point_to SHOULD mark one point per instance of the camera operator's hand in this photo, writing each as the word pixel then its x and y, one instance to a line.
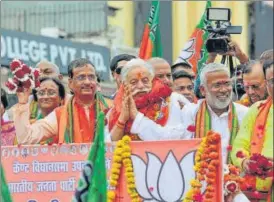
pixel 236 51
pixel 211 58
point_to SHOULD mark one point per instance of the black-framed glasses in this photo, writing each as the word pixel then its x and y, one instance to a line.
pixel 118 70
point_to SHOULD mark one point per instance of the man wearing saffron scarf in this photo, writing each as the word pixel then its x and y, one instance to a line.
pixel 144 108
pixel 73 122
pixel 256 136
pixel 216 112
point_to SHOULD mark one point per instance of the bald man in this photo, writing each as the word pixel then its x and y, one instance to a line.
pixel 48 69
pixel 254 83
pixel 162 70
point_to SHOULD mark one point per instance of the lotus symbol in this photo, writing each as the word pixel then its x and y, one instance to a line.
pixel 187 52
pixel 166 181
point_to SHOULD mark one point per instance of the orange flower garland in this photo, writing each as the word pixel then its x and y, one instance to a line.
pixel 206 162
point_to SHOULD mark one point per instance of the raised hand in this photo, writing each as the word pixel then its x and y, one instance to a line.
pixel 23 97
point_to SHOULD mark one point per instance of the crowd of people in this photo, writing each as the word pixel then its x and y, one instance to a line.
pixel 154 101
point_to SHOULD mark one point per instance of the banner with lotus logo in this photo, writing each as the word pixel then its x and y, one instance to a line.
pixel 163 171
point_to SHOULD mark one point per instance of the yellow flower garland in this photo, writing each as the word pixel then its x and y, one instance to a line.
pixel 122 154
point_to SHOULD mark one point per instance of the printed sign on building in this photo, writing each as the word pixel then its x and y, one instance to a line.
pixel 32 49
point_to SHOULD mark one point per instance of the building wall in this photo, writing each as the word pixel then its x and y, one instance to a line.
pixel 123 20
pixel 263 28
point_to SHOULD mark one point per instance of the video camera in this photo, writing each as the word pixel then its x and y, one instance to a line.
pixel 219 36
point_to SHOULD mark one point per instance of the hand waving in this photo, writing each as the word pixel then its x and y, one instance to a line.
pixel 23 97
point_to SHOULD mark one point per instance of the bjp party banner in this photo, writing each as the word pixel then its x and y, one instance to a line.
pixel 162 171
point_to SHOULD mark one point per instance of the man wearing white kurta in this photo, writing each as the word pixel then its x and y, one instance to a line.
pixel 154 99
pixel 216 86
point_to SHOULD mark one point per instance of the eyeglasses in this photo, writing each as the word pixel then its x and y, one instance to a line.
pixel 50 93
pixel 218 85
pixel 255 87
pixel 84 77
pixel 118 70
pixel 270 82
pixel 182 88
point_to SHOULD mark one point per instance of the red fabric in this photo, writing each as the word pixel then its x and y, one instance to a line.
pixel 148 104
pixel 86 127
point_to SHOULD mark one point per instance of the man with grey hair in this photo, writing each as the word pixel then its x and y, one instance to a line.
pixel 216 112
pixel 162 70
pixel 144 107
pixel 48 69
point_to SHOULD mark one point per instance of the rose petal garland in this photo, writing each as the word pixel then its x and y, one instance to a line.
pixel 23 76
pixel 122 155
pixel 206 162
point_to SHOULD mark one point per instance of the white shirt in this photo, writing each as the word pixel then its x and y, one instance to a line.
pixel 219 124
pixel 147 129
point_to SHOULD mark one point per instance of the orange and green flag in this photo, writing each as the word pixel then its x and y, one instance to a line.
pixel 151 41
pixel 194 51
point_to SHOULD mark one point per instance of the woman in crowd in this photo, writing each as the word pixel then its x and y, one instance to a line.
pixel 8 135
pixel 50 95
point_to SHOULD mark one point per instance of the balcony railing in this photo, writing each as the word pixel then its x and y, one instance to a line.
pixel 75 18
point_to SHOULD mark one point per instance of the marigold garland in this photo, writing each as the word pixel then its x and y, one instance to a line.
pixel 122 155
pixel 206 162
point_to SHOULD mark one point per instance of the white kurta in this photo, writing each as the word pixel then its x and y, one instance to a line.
pixel 219 124
pixel 147 129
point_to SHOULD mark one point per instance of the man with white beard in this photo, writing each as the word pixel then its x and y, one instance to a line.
pixel 216 112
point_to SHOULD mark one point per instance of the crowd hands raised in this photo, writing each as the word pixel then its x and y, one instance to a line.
pixel 153 101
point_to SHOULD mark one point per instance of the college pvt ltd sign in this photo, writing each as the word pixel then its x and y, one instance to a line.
pixel 32 49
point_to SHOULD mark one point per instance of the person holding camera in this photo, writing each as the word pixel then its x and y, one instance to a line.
pixel 234 50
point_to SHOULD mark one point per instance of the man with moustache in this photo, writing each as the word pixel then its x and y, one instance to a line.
pixel 216 112
pixel 73 122
pixel 144 106
pixel 254 84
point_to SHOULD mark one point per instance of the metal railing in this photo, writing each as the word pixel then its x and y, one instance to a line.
pixel 75 18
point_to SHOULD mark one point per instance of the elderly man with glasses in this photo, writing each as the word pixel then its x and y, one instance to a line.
pixel 256 137
pixel 73 122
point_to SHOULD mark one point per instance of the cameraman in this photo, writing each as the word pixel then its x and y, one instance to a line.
pixel 234 50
